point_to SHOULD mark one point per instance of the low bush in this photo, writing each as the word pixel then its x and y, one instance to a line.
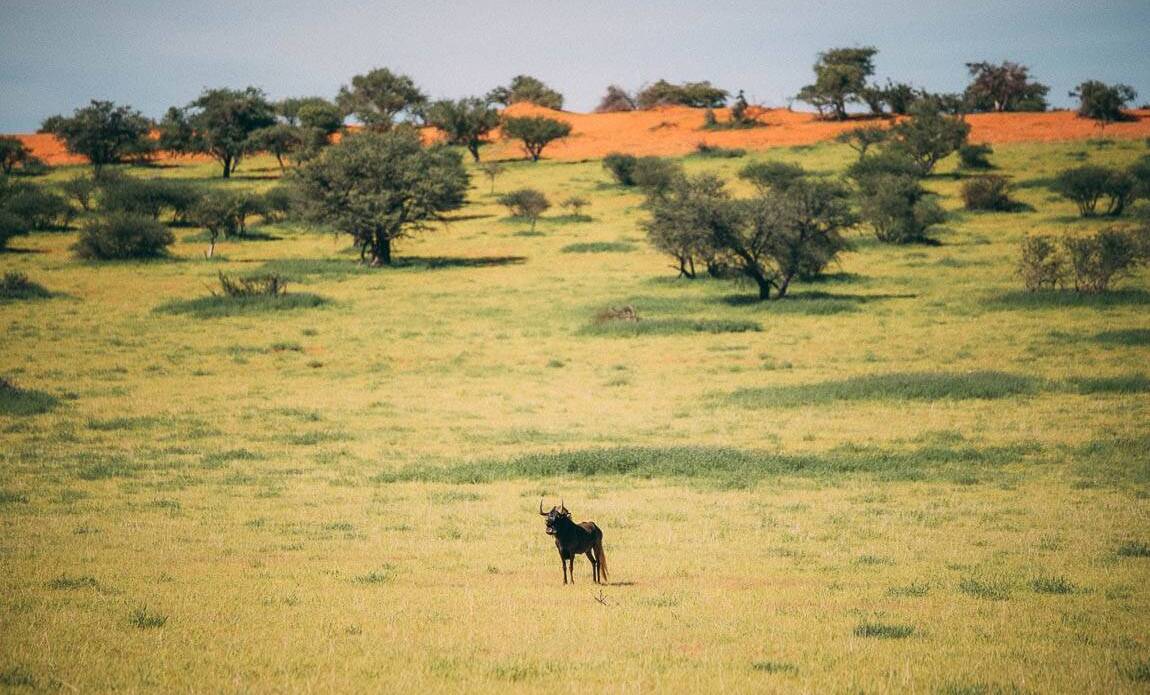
pixel 1043 263
pixel 123 236
pixel 16 285
pixel 1087 186
pixel 622 167
pixel 1095 261
pixel 716 152
pixel 38 208
pixel 989 193
pixel 898 209
pixel 655 174
pixel 270 285
pixel 11 225
pixel 525 203
pixel 81 190
pixel 148 197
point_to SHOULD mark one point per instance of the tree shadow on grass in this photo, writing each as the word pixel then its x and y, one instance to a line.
pixel 438 262
pixel 817 301
pixel 1057 299
pixel 466 218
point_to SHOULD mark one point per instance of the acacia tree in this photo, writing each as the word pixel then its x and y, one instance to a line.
pixel 102 132
pixel 616 99
pixel 862 139
pixel 379 187
pixel 536 132
pixel 280 140
pixel 840 77
pixel 694 94
pixel 13 153
pixel 780 235
pixel 1103 102
pixel 379 97
pixel 219 124
pixel 929 135
pixel 1005 87
pixel 465 122
pixel 529 89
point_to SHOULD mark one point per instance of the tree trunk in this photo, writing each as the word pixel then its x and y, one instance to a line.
pixel 227 167
pixel 783 286
pixel 381 251
pixel 473 148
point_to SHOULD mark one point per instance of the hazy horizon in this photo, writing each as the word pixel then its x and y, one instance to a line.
pixel 55 56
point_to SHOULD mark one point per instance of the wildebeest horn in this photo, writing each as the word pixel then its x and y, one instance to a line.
pixel 561 505
pixel 541 512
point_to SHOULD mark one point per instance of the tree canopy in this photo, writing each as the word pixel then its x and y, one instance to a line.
pixel 465 122
pixel 220 124
pixel 379 97
pixel 1005 87
pixel 840 78
pixel 102 132
pixel 379 187
pixel 536 132
pixel 529 89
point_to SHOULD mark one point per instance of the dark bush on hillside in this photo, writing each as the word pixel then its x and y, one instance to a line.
pixel 704 149
pixel 525 203
pixel 772 175
pixel 929 135
pixel 974 156
pixel 616 99
pixel 278 203
pixel 81 190
pixel 148 197
pixel 898 209
pixel 15 285
pixel 11 225
pixel 988 193
pixel 1042 264
pixel 694 94
pixel 622 167
pixel 655 174
pixel 123 236
pixel 886 162
pixel 1103 102
pixel 1088 185
pixel 38 208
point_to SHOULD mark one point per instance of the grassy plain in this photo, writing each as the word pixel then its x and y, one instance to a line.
pixel 908 476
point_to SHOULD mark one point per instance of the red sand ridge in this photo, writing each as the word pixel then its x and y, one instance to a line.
pixel 678 130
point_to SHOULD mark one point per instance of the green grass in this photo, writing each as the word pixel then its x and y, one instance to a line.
pixel 1053 585
pixel 1132 337
pixel 313 269
pixel 599 247
pixel 16 401
pixel 899 386
pixel 884 630
pixel 734 467
pixel 218 306
pixel 1124 384
pixel 643 327
pixel 1134 549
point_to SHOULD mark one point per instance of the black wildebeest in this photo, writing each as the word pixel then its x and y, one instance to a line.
pixel 576 539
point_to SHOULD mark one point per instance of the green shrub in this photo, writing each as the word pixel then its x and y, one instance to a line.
pixel 1088 185
pixel 278 203
pixel 82 190
pixel 270 285
pixel 15 285
pixel 990 193
pixel 123 236
pixel 148 197
pixel 655 174
pixel 1043 263
pixel 716 152
pixel 772 175
pixel 11 225
pixel 622 167
pixel 1095 261
pixel 525 203
pixel 974 156
pixel 898 209
pixel 38 208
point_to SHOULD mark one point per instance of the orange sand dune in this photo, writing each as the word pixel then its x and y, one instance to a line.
pixel 677 130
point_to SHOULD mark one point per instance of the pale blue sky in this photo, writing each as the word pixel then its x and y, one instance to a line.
pixel 56 55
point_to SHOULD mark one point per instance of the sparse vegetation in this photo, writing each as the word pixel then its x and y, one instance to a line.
pixel 535 132
pixel 119 237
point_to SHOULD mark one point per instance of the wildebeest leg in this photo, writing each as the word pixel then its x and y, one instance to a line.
pixel 563 561
pixel 572 561
pixel 594 567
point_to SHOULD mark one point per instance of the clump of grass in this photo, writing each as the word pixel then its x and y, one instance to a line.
pixel 267 285
pixel 634 329
pixel 10 497
pixel 873 560
pixel 145 619
pixel 1139 672
pixel 16 285
pixel 774 667
pixel 17 677
pixel 1126 383
pixel 1056 299
pixel 988 589
pixel 1052 585
pixel 384 575
pixel 1134 549
pixel 912 590
pixel 731 467
pixel 884 630
pixel 978 689
pixel 599 247
pixel 106 468
pixel 217 459
pixel 899 386
pixel 17 401
pixel 1133 337
pixel 66 583
pixel 217 306
pixel 709 151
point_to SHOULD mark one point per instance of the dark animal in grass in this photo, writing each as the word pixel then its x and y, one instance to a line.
pixel 573 539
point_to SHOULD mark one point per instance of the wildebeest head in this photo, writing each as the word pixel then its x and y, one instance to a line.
pixel 554 515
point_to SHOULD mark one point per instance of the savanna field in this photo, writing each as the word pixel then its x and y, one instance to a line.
pixel 911 475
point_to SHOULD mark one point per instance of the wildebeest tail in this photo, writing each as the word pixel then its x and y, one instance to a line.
pixel 602 558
